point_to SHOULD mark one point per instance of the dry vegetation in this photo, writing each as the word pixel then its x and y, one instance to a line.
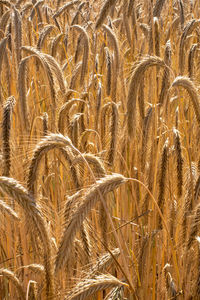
pixel 100 131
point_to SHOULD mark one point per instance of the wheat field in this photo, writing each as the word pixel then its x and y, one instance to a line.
pixel 99 169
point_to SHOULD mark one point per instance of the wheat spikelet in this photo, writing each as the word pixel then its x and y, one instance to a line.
pixel 9 211
pixel 162 179
pixel 65 7
pixel 88 287
pixel 133 88
pixel 11 277
pixel 179 166
pixel 113 133
pixel 187 84
pixel 145 136
pixel 109 72
pixel 6 125
pixel 104 12
pixel 98 104
pixel 106 184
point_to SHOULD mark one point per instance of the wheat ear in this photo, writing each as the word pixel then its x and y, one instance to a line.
pixel 55 43
pixel 64 114
pixel 182 16
pixel 190 87
pixel 191 60
pixel 179 164
pixel 94 161
pixel 162 179
pixel 104 12
pixel 170 284
pixel 17 26
pixel 8 210
pixel 43 35
pixel 49 142
pixel 36 9
pixel 6 125
pixel 12 277
pixel 87 287
pixel 109 72
pixel 113 133
pixel 190 26
pixel 84 67
pixel 65 7
pixel 103 262
pixel 116 66
pixel 104 185
pixel 135 80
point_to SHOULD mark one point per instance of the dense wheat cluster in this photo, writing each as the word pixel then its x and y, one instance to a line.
pixel 100 137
